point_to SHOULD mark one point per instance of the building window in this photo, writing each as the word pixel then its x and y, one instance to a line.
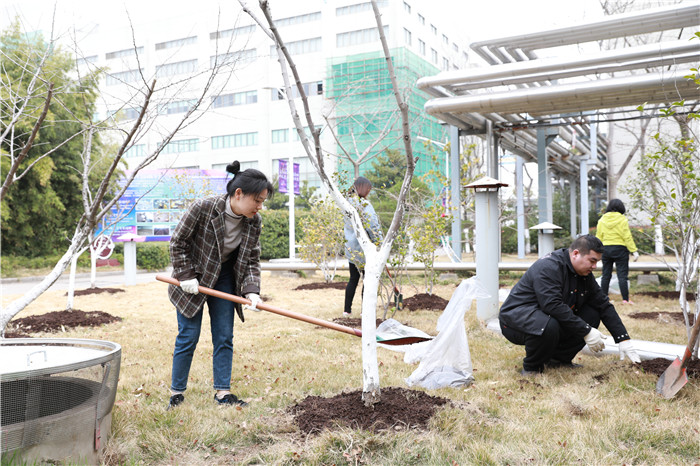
pixel 137 150
pixel 434 56
pixel 242 56
pixel 361 36
pixel 421 47
pixel 421 19
pixel 445 40
pixel 85 60
pixel 433 29
pixel 239 98
pixel 407 37
pixel 235 32
pixel 455 48
pixel 183 145
pixel 177 43
pixel 300 47
pixel 358 8
pixel 124 53
pixel 310 89
pixel 129 76
pixel 445 64
pixel 180 67
pixel 407 7
pixel 280 135
pixel 130 114
pixel 234 140
pixel 180 106
pixel 309 17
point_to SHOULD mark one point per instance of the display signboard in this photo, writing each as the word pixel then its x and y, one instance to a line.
pixel 282 177
pixel 154 203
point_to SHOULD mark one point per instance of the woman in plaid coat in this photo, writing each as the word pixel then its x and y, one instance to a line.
pixel 216 245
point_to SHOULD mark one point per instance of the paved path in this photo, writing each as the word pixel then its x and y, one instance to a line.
pixel 112 279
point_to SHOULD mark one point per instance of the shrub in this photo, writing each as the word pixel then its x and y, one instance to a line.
pixel 152 256
pixel 274 239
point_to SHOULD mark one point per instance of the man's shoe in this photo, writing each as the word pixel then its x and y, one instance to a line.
pixel 527 373
pixel 346 314
pixel 175 400
pixel 553 363
pixel 230 399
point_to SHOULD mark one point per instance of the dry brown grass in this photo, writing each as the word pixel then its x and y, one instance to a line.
pixel 604 413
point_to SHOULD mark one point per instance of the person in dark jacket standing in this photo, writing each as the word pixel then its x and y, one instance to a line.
pixel 216 245
pixel 557 306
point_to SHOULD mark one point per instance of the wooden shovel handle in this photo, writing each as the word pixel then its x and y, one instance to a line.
pixel 396 289
pixel 267 307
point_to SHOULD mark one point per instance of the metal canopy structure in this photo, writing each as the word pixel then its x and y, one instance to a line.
pixel 520 90
pixel 546 110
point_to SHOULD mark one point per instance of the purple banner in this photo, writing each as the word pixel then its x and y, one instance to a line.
pixel 282 177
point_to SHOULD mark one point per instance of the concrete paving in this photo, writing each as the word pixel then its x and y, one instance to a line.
pixel 111 279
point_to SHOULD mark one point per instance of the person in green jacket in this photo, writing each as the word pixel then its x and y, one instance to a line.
pixel 614 231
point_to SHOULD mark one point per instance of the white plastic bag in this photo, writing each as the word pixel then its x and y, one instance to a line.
pixel 445 361
pixel 614 286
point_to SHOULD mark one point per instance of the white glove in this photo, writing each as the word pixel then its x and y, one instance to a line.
pixel 635 256
pixel 254 300
pixel 594 340
pixel 190 286
pixel 627 349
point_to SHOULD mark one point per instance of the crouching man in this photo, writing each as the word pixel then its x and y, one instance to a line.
pixel 557 306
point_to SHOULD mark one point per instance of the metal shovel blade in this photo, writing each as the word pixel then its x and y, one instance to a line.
pixel 672 380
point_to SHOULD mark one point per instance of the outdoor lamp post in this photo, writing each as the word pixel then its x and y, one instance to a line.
pixel 488 243
pixel 545 237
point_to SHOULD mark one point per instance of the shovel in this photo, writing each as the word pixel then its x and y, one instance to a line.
pixel 406 340
pixel 675 376
pixel 397 297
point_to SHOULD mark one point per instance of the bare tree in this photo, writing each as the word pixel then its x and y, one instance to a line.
pixel 100 197
pixel 375 257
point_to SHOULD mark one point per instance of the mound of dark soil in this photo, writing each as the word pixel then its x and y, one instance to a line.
pixel 322 285
pixel 425 301
pixel 57 321
pixel 657 366
pixel 96 290
pixel 399 408
pixel 663 316
pixel 352 322
pixel 664 294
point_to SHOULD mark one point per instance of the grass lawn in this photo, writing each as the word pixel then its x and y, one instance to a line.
pixel 604 413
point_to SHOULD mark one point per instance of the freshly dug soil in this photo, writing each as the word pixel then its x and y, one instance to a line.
pixel 322 285
pixel 96 290
pixel 657 366
pixel 398 409
pixel 425 301
pixel 352 322
pixel 664 294
pixel 663 316
pixel 57 321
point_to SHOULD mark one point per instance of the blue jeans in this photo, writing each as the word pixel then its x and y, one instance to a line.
pixel 221 314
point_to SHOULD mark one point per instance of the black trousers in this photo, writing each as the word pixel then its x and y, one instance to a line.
pixel 620 256
pixel 555 343
pixel 352 286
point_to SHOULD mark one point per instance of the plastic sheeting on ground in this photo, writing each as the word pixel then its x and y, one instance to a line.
pixel 444 361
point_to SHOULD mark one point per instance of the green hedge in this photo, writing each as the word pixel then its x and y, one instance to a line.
pixel 152 256
pixel 274 240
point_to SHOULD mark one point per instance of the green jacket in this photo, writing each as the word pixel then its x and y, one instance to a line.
pixel 613 230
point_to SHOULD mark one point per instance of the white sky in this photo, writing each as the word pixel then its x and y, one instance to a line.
pixel 475 19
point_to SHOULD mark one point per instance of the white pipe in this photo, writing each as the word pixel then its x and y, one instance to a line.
pixel 582 64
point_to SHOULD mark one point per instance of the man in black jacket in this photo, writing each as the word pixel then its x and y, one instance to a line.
pixel 556 307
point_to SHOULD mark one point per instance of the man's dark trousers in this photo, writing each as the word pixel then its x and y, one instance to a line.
pixel 555 343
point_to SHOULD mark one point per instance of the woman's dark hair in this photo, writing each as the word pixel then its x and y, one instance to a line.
pixel 615 205
pixel 362 186
pixel 250 181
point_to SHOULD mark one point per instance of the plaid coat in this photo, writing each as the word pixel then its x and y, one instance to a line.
pixel 195 251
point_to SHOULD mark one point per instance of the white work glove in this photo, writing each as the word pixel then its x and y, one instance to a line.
pixel 594 340
pixel 627 349
pixel 635 256
pixel 254 300
pixel 190 286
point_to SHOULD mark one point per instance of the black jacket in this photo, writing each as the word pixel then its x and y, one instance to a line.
pixel 551 288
